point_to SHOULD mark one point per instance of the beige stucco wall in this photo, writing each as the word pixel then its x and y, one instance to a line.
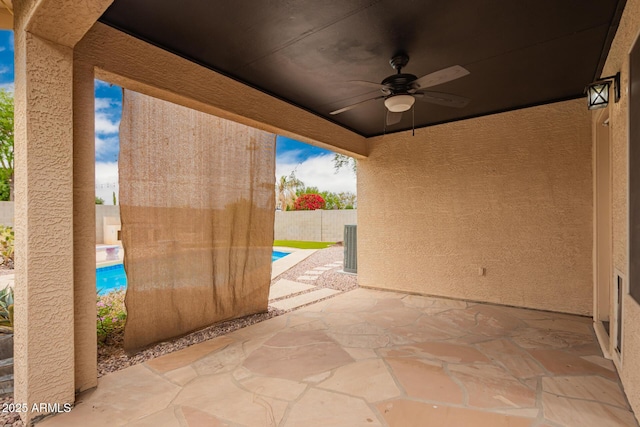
pixel 510 193
pixel 618 60
pixel 43 148
pixel 54 356
pixel 112 215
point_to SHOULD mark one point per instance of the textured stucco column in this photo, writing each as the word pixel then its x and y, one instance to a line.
pixel 44 313
pixel 47 314
pixel 84 226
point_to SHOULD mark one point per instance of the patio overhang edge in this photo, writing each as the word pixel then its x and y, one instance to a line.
pixel 142 67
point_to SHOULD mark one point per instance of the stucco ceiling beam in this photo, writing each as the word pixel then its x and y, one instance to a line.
pixel 139 66
pixel 63 22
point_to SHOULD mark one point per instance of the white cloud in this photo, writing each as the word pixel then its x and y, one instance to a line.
pixel 105 125
pixel 107 146
pixel 290 156
pixel 9 87
pixel 107 116
pixel 107 181
pixel 103 103
pixel 318 172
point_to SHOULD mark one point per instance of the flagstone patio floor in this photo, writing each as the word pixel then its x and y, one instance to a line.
pixel 372 358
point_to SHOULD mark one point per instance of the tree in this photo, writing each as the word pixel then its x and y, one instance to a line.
pixel 332 200
pixel 99 201
pixel 286 188
pixel 348 200
pixel 343 200
pixel 309 202
pixel 114 199
pixel 6 139
pixel 4 190
pixel 307 190
pixel 341 161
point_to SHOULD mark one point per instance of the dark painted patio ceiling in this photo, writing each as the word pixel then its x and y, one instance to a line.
pixel 520 53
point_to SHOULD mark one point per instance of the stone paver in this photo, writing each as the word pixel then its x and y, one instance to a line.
pixel 184 357
pixel 369 379
pixel 309 278
pixel 587 388
pixel 426 380
pixel 284 287
pixel 405 413
pixel 313 272
pixel 574 412
pixel 372 358
pixel 323 408
pixel 490 386
pixel 300 300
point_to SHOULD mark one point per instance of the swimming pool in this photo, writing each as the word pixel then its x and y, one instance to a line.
pixel 113 277
pixel 275 255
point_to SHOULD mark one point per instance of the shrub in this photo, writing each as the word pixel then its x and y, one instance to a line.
pixel 6 245
pixel 111 315
pixel 6 309
pixel 309 202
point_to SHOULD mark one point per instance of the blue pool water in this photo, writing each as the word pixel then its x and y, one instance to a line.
pixel 110 278
pixel 277 255
pixel 113 277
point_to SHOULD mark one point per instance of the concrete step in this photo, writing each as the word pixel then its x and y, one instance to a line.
pixel 304 299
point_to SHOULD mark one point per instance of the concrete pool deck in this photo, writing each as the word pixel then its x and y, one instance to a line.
pixel 295 256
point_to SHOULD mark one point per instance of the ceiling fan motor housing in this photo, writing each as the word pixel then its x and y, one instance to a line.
pixel 398 83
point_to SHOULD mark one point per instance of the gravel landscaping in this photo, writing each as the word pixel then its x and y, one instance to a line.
pixel 333 279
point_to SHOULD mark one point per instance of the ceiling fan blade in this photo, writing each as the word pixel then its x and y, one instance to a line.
pixel 352 106
pixel 445 75
pixel 446 99
pixel 393 118
pixel 370 84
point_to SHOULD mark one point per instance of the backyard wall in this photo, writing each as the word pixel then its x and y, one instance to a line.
pixel 618 60
pixel 6 214
pixel 112 213
pixel 313 226
pixel 495 209
pixel 102 211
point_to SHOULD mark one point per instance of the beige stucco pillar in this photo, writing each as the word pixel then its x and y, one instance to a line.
pixel 84 226
pixel 55 341
pixel 44 297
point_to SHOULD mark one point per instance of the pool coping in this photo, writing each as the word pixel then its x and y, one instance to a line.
pixel 295 256
pixel 278 267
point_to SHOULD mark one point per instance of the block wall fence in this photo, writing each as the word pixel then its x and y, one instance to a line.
pixel 314 226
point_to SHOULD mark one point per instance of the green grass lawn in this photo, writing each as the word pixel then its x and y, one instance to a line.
pixel 302 245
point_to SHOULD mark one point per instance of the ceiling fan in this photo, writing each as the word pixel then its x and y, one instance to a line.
pixel 400 90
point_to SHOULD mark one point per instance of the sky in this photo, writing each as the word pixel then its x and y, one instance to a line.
pixel 312 165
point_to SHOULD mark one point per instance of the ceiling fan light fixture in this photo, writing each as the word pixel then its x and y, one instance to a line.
pixel 399 103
